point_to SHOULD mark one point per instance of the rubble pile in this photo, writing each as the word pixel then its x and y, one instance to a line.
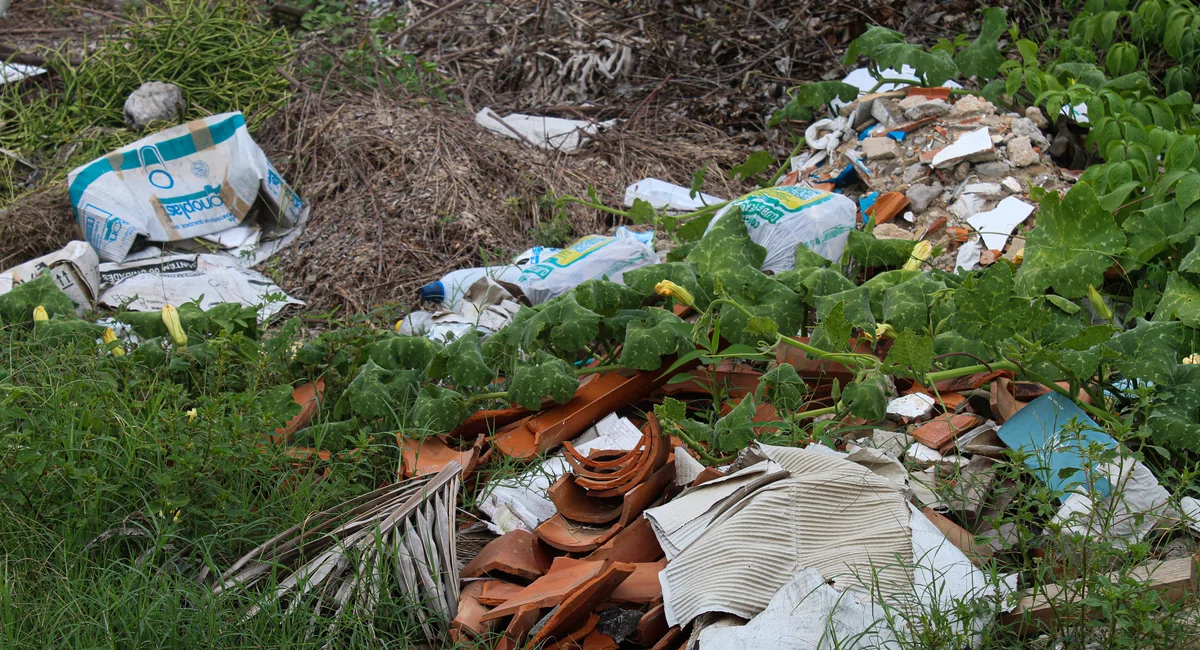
pixel 927 165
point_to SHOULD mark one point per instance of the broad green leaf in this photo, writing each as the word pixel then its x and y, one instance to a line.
pixel 869 43
pixel 822 282
pixel 911 355
pixel 1180 299
pixel 982 58
pixel 1145 300
pixel 1149 231
pixel 857 307
pixel 544 376
pixel 149 354
pixel 783 387
pixel 1187 190
pixel 1148 351
pixel 462 360
pixel 1062 303
pixel 736 430
pixel 763 297
pixel 17 305
pixel 62 331
pixel 987 306
pixel 378 392
pixel 682 273
pixel 907 305
pixel 641 211
pixel 438 409
pixel 807 96
pixel 1173 419
pixel 805 258
pixel 951 342
pixel 606 298
pixel 872 251
pixel 1191 262
pixel 651 338
pixel 1180 154
pixel 882 282
pixel 833 334
pixel 1121 59
pixel 757 163
pixel 561 322
pixel 395 352
pixel 727 246
pixel 1074 242
pixel 867 399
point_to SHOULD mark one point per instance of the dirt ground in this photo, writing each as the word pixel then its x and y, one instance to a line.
pixel 405 188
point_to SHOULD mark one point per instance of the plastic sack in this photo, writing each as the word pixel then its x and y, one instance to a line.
pixel 188 181
pixel 595 256
pixel 779 218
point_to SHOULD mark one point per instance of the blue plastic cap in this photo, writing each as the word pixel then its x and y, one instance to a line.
pixel 433 292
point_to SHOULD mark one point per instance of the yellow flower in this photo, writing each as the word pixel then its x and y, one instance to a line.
pixel 170 317
pixel 191 415
pixel 1192 359
pixel 1019 257
pixel 398 324
pixel 39 314
pixel 920 253
pixel 109 337
pixel 884 330
pixel 671 290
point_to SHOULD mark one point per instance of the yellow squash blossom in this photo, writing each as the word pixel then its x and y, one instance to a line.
pixel 170 317
pixel 672 290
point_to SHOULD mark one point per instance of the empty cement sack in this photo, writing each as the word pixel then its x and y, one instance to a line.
pixel 188 181
pixel 594 256
pixel 780 218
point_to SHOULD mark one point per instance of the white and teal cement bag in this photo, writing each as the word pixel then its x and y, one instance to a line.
pixel 188 181
pixel 779 218
pixel 595 256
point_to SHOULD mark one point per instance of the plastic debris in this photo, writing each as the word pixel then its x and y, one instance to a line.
pixel 553 133
pixel 780 218
pixel 663 195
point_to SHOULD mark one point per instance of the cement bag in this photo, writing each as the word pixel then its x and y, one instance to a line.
pixel 595 256
pixel 191 180
pixel 779 218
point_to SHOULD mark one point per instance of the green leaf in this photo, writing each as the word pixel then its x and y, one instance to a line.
pixel 395 352
pixel 276 404
pixel 561 322
pixel 869 43
pixel 783 387
pixel 806 259
pixel 62 331
pixel 651 338
pixel 907 305
pixel 1145 300
pixel 378 392
pixel 763 297
pixel 807 96
pixel 1149 351
pixel 17 305
pixel 934 68
pixel 1074 242
pixel 1149 231
pixel 438 409
pixel 670 411
pixel 982 58
pixel 462 360
pixel 698 181
pixel 1180 154
pixel 867 399
pixel 757 163
pixel 644 279
pixel 607 298
pixel 949 342
pixel 1191 262
pixel 736 430
pixel 642 211
pixel 149 354
pixel 546 376
pixel 820 282
pixel 727 246
pixel 987 306
pixel 694 229
pixel 1180 299
pixel 911 355
pixel 833 334
pixel 858 307
pixel 872 251
pixel 1187 191
pixel 1121 59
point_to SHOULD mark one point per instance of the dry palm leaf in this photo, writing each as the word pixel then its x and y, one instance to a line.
pixel 397 539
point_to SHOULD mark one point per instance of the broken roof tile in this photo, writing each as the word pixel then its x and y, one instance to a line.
pixel 468 622
pixel 642 586
pixel 576 609
pixel 518 553
pixel 564 576
pixel 941 432
pixel 498 592
pixel 308 396
pixel 635 543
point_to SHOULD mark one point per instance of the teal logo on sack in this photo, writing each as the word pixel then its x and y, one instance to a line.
pixel 189 204
pixel 566 257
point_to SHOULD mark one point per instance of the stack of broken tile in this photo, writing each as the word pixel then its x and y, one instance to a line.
pixel 954 172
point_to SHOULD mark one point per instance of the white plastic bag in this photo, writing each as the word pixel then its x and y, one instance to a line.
pixel 594 256
pixel 188 181
pixel 779 218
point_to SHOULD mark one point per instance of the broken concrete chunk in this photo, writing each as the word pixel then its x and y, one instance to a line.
pixel 914 173
pixel 887 112
pixel 892 231
pixel 1034 114
pixel 970 106
pixel 994 170
pixel 1012 185
pixel 920 197
pixel 892 443
pixel 1021 153
pixel 990 191
pixel 1026 127
pixel 929 108
pixel 154 101
pixel 880 148
pixel 916 406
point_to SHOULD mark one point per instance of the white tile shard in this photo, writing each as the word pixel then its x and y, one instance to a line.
pixel 968 144
pixel 912 407
pixel 996 225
